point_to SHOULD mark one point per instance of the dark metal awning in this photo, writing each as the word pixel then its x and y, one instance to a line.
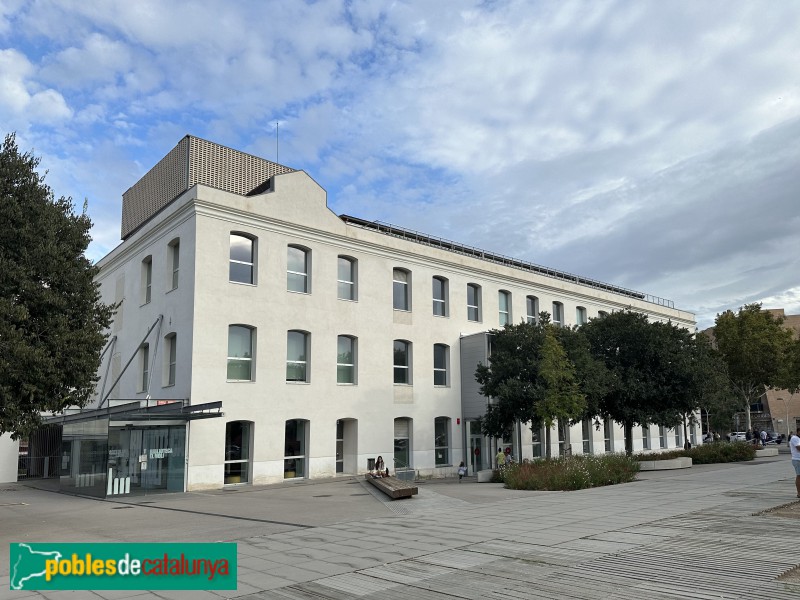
pixel 133 411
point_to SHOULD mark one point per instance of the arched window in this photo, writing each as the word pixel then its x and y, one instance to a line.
pixel 242 260
pixel 558 313
pixel 504 307
pixel 401 289
pixel 174 262
pixel 346 359
pixel 241 344
pixel 402 362
pixel 238 436
pixel 441 433
pixel 473 302
pixel 147 279
pixel 532 308
pixel 297 354
pixel 440 297
pixel 441 358
pixel 347 278
pixel 298 265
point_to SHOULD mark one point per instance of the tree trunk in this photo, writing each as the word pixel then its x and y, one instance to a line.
pixel 548 453
pixel 628 437
pixel 686 443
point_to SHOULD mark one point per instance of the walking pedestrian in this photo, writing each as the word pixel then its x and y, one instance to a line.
pixel 794 445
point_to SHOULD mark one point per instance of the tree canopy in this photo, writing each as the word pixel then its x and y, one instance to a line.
pixel 757 350
pixel 530 379
pixel 52 322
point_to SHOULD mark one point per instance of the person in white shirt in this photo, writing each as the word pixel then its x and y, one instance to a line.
pixel 794 445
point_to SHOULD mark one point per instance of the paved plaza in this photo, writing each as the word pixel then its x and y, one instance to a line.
pixel 701 533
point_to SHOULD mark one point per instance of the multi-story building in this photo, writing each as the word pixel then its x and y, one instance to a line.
pixel 260 337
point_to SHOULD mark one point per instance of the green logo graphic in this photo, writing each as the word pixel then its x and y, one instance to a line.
pixel 117 566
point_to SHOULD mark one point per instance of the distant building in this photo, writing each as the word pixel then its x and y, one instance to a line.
pixel 781 407
pixel 262 338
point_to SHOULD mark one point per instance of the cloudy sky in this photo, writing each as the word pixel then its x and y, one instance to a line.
pixel 650 144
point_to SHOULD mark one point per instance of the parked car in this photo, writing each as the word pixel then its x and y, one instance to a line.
pixel 774 438
pixel 737 436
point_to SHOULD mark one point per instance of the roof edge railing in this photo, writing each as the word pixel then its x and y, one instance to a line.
pixel 450 246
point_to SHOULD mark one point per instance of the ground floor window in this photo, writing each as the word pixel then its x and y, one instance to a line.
pixel 402 443
pixel 608 435
pixel 662 436
pixel 294 460
pixel 237 451
pixel 442 441
pixel 586 428
pixel 645 437
pixel 537 438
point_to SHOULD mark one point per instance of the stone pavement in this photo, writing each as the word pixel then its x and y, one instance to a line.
pixel 694 533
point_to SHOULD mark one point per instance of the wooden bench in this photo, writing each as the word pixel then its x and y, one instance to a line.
pixel 393 487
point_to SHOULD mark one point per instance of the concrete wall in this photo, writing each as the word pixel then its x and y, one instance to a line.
pixel 9 453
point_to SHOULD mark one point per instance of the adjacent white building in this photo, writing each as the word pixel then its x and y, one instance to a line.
pixel 296 343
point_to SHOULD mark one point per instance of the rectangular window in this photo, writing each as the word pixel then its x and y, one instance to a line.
pixel 174 262
pixel 586 428
pixel 504 304
pixel 608 435
pixel 473 302
pixel 346 359
pixel 440 296
pixel 662 436
pixel 346 281
pixel 692 434
pixel 241 259
pixel 147 279
pixel 402 362
pixel 440 360
pixel 171 356
pixel 532 305
pixel 145 367
pixel 645 438
pixel 563 436
pixel 441 432
pixel 297 270
pixel 678 436
pixel 580 315
pixel 558 313
pixel 400 290
pixel 240 353
pixel 297 356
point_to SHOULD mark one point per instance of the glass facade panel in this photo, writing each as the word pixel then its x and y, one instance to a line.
pixel 85 458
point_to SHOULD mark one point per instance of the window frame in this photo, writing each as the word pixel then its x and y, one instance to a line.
pixel 532 309
pixel 240 359
pixel 580 315
pixel 305 359
pixel 170 359
pixel 407 349
pixel 437 447
pixel 353 357
pixel 174 263
pixel 406 289
pixel 352 282
pixel 441 303
pixel 305 275
pixel 441 369
pixel 558 313
pixel 147 279
pixel 504 294
pixel 251 264
pixel 144 371
pixel 477 306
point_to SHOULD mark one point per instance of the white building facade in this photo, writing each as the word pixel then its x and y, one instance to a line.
pixel 327 340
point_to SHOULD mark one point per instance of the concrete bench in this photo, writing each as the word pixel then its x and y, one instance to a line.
pixel 393 487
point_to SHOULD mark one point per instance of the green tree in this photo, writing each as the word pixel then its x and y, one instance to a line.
pixel 529 378
pixel 52 322
pixel 756 348
pixel 711 386
pixel 650 370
